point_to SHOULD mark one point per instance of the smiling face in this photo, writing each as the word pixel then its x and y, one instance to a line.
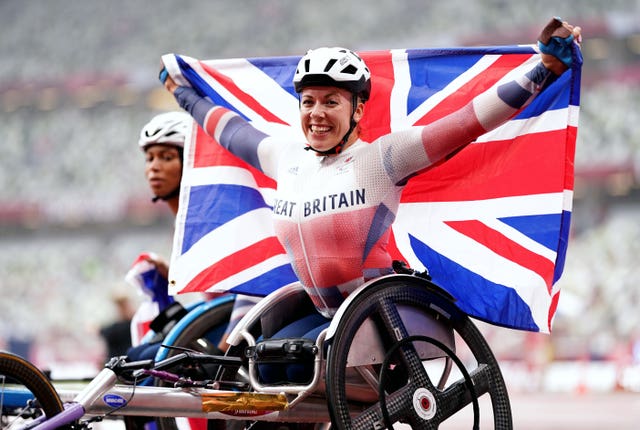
pixel 325 115
pixel 163 168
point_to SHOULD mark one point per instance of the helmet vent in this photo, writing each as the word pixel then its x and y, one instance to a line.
pixel 330 64
pixel 167 128
pixel 350 70
pixel 306 65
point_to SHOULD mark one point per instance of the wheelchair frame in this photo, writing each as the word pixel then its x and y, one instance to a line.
pixel 372 321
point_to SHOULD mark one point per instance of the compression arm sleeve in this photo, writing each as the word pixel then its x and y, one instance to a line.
pixel 224 125
pixel 485 112
pixel 496 106
pixel 412 151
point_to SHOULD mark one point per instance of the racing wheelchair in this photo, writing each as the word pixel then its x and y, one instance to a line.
pixel 398 351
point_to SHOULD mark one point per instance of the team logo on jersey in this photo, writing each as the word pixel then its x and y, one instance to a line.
pixel 346 166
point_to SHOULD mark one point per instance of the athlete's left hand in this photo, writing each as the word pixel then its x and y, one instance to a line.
pixel 555 42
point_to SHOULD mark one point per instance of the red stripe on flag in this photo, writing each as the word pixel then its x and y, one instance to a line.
pixel 245 98
pixel 505 247
pixel 572 133
pixel 208 153
pixel 485 80
pixel 530 164
pixel 377 113
pixel 234 263
pixel 552 309
pixel 212 120
pixel 392 248
pixel 197 423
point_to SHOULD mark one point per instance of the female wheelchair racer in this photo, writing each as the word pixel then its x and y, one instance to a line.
pixel 337 196
pixel 378 349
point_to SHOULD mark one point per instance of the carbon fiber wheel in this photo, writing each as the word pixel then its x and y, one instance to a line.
pixel 404 353
pixel 25 392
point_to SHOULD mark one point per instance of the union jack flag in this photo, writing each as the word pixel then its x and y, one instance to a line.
pixel 491 224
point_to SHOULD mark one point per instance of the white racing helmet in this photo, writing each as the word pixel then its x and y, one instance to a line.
pixel 168 128
pixel 335 67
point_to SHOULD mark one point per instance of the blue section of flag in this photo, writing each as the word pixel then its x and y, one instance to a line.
pixel 226 201
pixel 280 69
pixel 475 295
pixel 555 97
pixel 541 228
pixel 200 85
pixel 267 282
pixel 431 71
pixel 563 243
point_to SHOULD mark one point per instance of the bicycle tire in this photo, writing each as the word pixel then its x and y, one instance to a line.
pixel 22 373
pixel 380 303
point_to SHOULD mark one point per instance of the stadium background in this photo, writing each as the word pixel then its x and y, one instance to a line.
pixel 78 80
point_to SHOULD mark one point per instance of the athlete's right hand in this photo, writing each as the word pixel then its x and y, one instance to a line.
pixel 161 265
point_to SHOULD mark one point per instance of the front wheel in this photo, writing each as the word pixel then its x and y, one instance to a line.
pixel 26 394
pixel 415 343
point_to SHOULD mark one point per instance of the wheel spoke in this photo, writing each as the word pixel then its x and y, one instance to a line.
pixel 397 331
pixel 397 404
pixel 458 395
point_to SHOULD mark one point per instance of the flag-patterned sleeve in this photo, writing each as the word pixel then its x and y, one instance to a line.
pixel 230 130
pixel 442 138
pixel 498 104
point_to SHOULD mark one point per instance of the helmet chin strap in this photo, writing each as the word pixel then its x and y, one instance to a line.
pixel 338 148
pixel 172 194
